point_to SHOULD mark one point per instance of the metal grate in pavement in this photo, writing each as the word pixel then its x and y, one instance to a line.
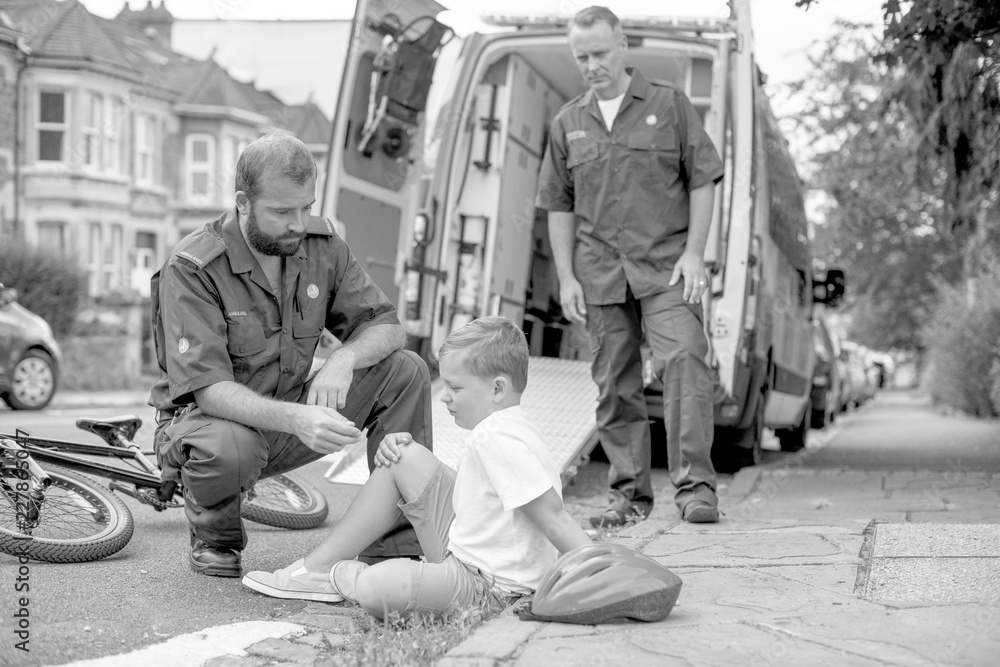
pixel 930 562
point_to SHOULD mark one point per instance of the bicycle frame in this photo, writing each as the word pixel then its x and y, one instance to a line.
pixel 63 453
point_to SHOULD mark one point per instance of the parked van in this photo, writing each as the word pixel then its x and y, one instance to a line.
pixel 445 222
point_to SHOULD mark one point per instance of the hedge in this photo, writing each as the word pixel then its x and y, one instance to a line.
pixel 963 342
pixel 47 284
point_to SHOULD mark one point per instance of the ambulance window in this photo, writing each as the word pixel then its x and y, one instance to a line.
pixel 701 78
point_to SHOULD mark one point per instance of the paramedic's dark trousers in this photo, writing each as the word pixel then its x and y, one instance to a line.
pixel 673 330
pixel 218 460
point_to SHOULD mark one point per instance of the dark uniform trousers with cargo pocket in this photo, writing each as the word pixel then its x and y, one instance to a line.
pixel 673 330
pixel 218 461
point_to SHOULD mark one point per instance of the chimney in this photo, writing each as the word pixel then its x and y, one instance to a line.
pixel 156 22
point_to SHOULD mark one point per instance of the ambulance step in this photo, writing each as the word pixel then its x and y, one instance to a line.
pixel 560 399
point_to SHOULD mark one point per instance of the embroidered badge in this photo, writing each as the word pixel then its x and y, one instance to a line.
pixel 651 119
pixel 183 345
pixel 576 134
pixel 312 291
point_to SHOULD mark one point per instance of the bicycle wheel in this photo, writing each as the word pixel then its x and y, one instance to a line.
pixel 285 501
pixel 80 521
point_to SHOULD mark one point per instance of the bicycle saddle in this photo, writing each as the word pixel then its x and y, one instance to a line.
pixel 127 425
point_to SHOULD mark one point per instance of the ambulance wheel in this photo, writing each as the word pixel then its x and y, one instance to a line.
pixel 794 439
pixel 737 448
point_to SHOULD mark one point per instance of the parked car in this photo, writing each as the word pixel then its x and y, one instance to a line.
pixel 882 367
pixel 826 381
pixel 30 357
pixel 862 387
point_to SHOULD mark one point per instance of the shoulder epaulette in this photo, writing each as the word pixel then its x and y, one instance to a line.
pixel 320 226
pixel 200 249
pixel 663 83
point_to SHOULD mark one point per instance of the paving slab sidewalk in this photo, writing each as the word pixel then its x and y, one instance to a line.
pixel 823 567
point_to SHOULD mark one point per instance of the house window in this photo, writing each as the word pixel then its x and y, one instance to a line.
pixel 144 262
pixel 94 249
pixel 145 142
pixel 113 113
pixel 51 126
pixel 92 115
pixel 52 237
pixel 229 154
pixel 200 158
pixel 113 265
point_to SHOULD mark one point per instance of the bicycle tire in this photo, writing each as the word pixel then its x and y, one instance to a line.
pixel 285 501
pixel 81 522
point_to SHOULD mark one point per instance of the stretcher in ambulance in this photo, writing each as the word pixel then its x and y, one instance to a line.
pixel 443 217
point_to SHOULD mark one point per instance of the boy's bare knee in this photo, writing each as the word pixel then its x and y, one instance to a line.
pixel 413 456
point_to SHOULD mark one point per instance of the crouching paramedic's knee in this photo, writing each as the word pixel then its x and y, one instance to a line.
pixel 218 459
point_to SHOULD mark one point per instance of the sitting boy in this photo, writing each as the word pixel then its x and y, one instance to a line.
pixel 489 531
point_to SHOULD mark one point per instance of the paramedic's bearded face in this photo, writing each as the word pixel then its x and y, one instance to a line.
pixel 599 52
pixel 274 222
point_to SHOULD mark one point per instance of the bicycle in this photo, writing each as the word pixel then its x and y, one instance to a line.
pixel 55 514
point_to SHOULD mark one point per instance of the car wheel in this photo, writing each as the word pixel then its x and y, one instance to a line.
pixel 33 382
pixel 794 439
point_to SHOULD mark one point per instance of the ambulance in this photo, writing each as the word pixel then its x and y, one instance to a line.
pixel 433 166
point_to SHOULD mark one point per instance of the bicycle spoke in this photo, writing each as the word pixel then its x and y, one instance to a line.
pixel 277 495
pixel 66 514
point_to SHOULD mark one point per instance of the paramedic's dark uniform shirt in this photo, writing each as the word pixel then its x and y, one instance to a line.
pixel 216 318
pixel 628 187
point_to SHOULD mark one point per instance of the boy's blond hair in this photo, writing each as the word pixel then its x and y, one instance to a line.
pixel 491 346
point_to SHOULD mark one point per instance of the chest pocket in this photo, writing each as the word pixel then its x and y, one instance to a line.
pixel 658 147
pixel 309 321
pixel 245 340
pixel 582 151
pixel 309 324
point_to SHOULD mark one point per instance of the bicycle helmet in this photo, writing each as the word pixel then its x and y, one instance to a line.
pixel 600 582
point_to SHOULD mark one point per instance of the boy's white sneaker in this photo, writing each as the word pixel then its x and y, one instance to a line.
pixel 344 575
pixel 294 582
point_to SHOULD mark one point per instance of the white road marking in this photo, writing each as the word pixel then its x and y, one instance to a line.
pixel 196 648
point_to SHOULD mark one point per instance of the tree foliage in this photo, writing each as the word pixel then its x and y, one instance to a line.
pixel 949 51
pixel 882 225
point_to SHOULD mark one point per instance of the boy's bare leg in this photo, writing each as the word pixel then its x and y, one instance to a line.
pixel 374 510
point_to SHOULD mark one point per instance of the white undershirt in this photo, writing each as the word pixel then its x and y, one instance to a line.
pixel 609 109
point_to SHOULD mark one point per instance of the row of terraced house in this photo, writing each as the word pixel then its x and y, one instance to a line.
pixel 112 145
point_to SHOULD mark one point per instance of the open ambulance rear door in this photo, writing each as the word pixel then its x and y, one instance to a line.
pixel 373 167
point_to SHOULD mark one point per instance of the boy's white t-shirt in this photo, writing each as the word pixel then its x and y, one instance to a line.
pixel 609 109
pixel 505 467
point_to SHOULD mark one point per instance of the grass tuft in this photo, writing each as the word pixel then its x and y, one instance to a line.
pixel 418 640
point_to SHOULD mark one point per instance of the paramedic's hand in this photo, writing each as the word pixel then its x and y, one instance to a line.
pixel 329 387
pixel 574 308
pixel 323 429
pixel 692 268
pixel 388 450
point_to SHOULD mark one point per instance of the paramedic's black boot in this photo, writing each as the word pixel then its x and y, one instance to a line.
pixel 214 561
pixel 698 511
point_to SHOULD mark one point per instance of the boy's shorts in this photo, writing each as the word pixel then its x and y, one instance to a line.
pixel 444 583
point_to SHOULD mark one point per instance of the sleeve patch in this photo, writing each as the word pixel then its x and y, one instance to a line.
pixel 191 258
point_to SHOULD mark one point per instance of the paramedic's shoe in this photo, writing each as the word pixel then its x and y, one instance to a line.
pixel 698 511
pixel 294 582
pixel 344 575
pixel 613 517
pixel 214 561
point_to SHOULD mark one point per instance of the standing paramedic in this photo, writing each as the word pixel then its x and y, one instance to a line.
pixel 238 310
pixel 629 182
